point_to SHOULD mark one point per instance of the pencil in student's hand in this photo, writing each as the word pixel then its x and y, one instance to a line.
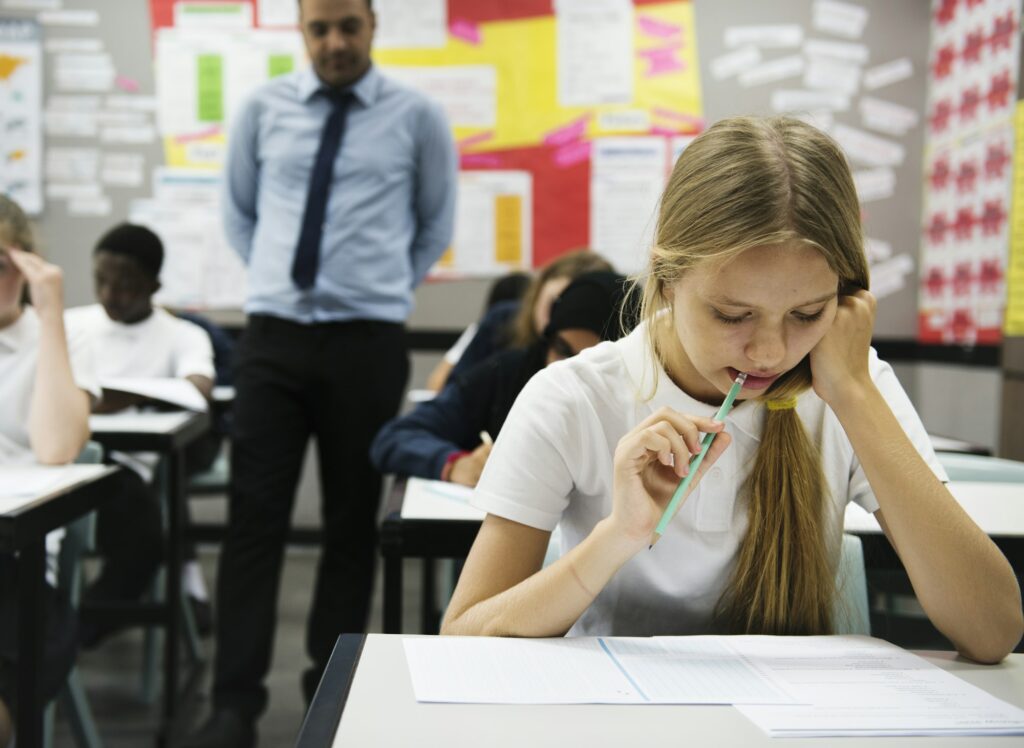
pixel 486 438
pixel 680 491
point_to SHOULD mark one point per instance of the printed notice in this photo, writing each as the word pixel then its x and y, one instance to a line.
pixel 21 90
pixel 767 37
pixel 865 148
pixel 627 176
pixel 772 70
pixel 733 63
pixel 841 19
pixel 468 93
pixel 411 24
pixel 493 224
pixel 888 73
pixel 595 52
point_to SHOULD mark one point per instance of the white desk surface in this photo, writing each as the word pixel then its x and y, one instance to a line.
pixel 21 485
pixel 381 710
pixel 143 423
pixel 997 508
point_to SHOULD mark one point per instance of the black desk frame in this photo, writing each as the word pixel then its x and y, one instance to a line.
pixel 417 538
pixel 24 531
pixel 171 445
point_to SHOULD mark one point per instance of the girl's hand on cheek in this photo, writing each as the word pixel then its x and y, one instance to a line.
pixel 839 362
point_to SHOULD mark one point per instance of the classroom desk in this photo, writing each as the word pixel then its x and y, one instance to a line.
pixel 366 698
pixel 168 434
pixel 24 523
pixel 998 508
pixel 425 538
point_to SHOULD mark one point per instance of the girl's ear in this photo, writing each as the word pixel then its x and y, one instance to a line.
pixel 666 291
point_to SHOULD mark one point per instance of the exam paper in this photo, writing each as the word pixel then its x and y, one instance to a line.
pixel 434 499
pixel 862 686
pixel 585 670
pixel 23 484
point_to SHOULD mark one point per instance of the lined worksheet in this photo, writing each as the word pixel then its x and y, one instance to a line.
pixel 788 686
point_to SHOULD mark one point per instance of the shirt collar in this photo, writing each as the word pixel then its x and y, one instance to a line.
pixel 22 332
pixel 643 369
pixel 366 90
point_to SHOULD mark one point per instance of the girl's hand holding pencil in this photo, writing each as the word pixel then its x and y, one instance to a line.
pixel 650 462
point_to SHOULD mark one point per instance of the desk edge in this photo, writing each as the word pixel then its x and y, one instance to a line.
pixel 321 722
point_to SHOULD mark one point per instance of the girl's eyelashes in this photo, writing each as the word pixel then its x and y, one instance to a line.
pixel 729 320
pixel 810 317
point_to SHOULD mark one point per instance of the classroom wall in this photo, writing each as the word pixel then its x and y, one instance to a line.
pixel 453 304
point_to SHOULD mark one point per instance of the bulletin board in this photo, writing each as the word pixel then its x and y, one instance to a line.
pixel 562 175
pixel 567 114
pixel 857 70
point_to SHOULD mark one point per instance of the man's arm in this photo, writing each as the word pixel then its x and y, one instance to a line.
pixel 241 181
pixel 436 184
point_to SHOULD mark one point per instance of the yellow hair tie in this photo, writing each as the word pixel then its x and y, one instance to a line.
pixel 787 404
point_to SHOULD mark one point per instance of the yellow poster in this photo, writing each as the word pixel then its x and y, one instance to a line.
pixel 1013 324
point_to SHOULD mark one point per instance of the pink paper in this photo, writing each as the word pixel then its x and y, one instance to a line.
pixel 569 133
pixel 467 31
pixel 126 84
pixel 661 29
pixel 691 121
pixel 573 153
pixel 198 135
pixel 479 159
pixel 472 140
pixel 661 61
pixel 659 130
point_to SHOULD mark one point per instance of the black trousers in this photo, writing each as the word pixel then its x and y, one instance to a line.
pixel 129 539
pixel 338 382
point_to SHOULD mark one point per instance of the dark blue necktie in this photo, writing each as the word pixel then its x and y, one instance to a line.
pixel 307 252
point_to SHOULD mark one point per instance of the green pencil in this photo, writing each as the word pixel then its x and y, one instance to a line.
pixel 680 491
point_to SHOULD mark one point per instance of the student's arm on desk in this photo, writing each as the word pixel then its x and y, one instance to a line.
pixel 203 384
pixel 965 585
pixel 58 424
pixel 420 442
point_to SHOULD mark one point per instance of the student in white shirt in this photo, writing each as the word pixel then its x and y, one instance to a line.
pixel 134 339
pixel 46 383
pixel 757 266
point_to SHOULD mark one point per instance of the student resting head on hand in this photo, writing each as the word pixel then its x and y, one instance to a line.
pixel 47 384
pixel 757 266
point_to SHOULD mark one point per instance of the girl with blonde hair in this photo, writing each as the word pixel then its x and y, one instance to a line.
pixel 758 267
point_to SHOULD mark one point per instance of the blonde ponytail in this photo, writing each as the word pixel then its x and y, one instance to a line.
pixel 784 580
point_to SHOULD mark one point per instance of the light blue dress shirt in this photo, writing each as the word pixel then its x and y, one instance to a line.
pixel 390 213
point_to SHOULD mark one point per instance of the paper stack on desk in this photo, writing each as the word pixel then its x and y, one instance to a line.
pixel 788 686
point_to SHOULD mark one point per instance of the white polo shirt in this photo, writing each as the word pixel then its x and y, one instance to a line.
pixel 161 345
pixel 19 350
pixel 553 461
